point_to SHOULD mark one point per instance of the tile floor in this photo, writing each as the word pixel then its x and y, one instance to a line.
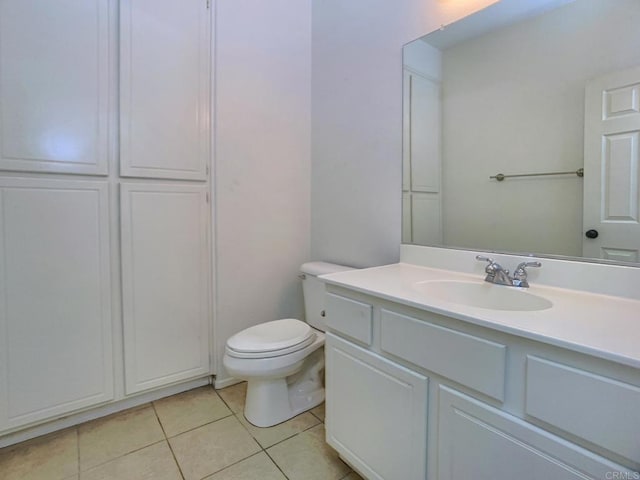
pixel 199 434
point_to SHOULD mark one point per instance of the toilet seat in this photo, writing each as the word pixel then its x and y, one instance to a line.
pixel 271 339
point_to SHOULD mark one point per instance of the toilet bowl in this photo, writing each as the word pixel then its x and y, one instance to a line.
pixel 283 360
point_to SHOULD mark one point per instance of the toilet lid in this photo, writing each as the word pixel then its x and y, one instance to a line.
pixel 271 336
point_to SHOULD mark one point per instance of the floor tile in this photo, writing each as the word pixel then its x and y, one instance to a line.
pixel 234 396
pixel 53 457
pixel 212 447
pixel 189 410
pixel 353 476
pixel 319 411
pixel 110 437
pixel 258 467
pixel 151 463
pixel 269 436
pixel 307 457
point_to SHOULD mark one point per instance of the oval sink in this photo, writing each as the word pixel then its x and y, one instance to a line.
pixel 482 295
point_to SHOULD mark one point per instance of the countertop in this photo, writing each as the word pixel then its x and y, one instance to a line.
pixel 600 325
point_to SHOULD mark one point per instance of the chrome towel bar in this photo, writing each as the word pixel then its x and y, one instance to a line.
pixel 500 176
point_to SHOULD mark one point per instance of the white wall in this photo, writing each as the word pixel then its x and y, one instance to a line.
pixel 424 59
pixel 357 121
pixel 516 96
pixel 262 158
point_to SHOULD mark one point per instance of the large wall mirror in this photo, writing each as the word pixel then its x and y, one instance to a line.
pixel 522 128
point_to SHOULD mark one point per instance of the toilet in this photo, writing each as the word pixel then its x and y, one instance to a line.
pixel 283 360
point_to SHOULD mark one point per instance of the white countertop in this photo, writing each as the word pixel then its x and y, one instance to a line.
pixel 600 325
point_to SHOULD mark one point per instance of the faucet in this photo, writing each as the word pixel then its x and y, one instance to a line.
pixel 500 276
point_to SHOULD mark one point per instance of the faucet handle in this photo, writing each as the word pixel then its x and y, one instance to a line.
pixel 520 273
pixel 492 266
pixel 521 267
pixel 490 269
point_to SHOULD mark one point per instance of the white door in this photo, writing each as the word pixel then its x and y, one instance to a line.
pixel 165 283
pixel 424 134
pixel 611 157
pixel 164 92
pixel 54 85
pixel 422 216
pixel 376 413
pixel 55 298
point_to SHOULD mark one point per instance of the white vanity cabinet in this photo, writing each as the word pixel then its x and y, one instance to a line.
pixel 478 441
pixel 377 414
pixel 497 407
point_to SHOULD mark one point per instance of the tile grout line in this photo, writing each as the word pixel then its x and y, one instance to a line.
pixel 166 439
pixel 276 464
pixel 77 429
pixel 119 457
pixel 199 426
pixel 231 465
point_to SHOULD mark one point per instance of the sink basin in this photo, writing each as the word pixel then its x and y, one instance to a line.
pixel 482 295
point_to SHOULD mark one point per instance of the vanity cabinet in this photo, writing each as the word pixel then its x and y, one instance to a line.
pixel 478 441
pixel 377 414
pixel 497 406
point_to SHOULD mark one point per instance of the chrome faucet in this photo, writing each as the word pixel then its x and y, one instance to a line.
pixel 500 276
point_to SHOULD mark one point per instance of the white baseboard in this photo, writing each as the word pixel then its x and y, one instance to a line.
pixel 225 382
pixel 97 412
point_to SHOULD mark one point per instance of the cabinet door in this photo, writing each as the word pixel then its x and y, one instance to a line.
pixel 480 442
pixel 55 325
pixel 54 85
pixel 164 92
pixel 165 282
pixel 376 413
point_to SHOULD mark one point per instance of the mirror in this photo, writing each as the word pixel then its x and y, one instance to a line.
pixel 539 91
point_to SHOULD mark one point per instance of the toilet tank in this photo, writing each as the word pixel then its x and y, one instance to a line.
pixel 313 290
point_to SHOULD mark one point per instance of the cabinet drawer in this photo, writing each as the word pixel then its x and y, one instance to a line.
pixel 474 362
pixel 349 317
pixel 569 398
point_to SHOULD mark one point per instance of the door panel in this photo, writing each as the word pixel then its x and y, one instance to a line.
pixel 164 92
pixel 165 274
pixel 56 350
pixel 376 413
pixel 480 442
pixel 54 85
pixel 612 173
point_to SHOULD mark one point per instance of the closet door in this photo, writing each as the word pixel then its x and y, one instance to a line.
pixel 164 91
pixel 54 85
pixel 55 298
pixel 165 275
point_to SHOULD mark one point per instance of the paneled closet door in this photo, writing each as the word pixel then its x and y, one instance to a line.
pixel 164 92
pixel 54 85
pixel 55 299
pixel 165 274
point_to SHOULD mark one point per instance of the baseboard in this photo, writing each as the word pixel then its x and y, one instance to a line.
pixel 97 412
pixel 225 382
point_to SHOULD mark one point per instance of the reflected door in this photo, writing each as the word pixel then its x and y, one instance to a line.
pixel 422 222
pixel 611 196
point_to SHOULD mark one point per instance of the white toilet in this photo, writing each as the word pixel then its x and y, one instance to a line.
pixel 283 360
